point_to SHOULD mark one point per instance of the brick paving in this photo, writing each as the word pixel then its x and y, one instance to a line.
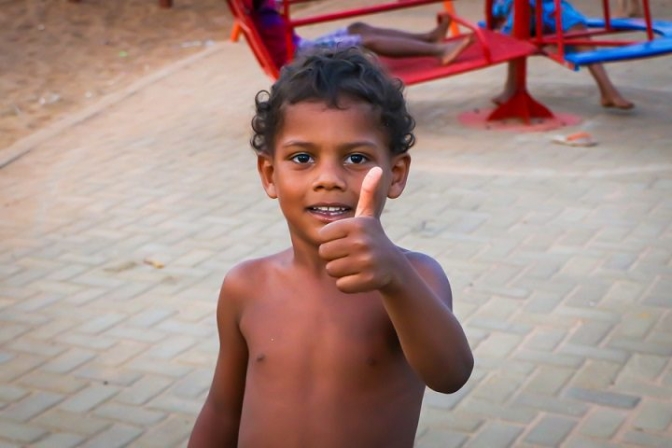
pixel 115 233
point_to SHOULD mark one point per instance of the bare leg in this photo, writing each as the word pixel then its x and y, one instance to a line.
pixel 611 97
pixel 435 35
pixel 629 8
pixel 398 47
pixel 509 85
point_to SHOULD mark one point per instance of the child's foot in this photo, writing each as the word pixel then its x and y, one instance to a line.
pixel 502 97
pixel 453 50
pixel 438 34
pixel 617 102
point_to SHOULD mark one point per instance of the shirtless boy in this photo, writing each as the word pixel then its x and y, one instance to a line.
pixel 331 342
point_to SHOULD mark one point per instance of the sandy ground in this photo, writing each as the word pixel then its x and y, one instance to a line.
pixel 57 57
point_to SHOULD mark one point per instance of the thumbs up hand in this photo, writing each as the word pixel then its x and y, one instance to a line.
pixel 356 250
pixel 366 206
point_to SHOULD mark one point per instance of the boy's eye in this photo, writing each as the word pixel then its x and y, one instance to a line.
pixel 302 158
pixel 356 159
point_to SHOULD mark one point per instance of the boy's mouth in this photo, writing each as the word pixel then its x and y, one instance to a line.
pixel 331 211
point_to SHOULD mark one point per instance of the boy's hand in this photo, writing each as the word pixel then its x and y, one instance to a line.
pixel 357 251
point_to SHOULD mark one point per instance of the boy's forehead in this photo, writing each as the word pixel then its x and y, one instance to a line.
pixel 345 104
pixel 349 118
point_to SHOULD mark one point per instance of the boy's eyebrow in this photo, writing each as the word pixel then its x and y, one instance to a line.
pixel 343 146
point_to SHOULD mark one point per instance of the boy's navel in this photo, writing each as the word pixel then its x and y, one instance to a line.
pixel 261 357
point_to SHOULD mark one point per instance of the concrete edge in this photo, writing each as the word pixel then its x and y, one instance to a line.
pixel 26 144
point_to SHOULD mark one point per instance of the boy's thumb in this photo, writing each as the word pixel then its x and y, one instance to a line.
pixel 366 206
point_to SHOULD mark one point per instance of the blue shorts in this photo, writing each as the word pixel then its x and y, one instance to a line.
pixel 503 9
pixel 339 38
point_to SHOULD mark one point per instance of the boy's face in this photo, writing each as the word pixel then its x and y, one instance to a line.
pixel 319 160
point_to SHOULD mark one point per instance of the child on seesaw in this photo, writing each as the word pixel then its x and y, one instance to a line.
pixel 572 20
pixel 387 42
pixel 332 342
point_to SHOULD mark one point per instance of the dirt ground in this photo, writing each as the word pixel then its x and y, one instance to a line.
pixel 57 57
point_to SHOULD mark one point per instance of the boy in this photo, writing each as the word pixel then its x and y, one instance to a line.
pixel 572 20
pixel 382 41
pixel 332 342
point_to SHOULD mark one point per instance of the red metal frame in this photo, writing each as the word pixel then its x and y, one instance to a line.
pixel 253 39
pixel 563 40
pixel 521 104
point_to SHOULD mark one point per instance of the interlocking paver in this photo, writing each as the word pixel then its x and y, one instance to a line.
pixel 654 416
pixel 31 406
pixel 20 432
pixel 60 440
pixel 172 432
pixel 129 414
pixel 54 382
pixel 116 436
pixel 548 380
pixel 495 435
pixel 72 422
pixel 604 398
pixel 645 439
pixel 559 258
pixel 550 431
pixel 89 398
pixel 603 423
pixel 143 390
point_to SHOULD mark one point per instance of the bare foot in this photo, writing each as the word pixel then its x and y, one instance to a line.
pixel 617 102
pixel 438 34
pixel 453 50
pixel 502 97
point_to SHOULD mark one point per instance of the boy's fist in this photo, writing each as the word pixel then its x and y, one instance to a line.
pixel 356 249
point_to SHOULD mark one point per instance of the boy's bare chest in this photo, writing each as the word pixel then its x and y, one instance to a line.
pixel 308 328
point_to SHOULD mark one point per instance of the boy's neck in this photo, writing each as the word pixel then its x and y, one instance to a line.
pixel 306 256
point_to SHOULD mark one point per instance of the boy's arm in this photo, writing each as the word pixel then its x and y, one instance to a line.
pixel 217 424
pixel 418 300
pixel 415 291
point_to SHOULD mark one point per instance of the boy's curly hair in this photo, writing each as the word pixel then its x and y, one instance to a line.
pixel 330 75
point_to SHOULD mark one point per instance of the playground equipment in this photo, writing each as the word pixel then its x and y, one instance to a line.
pixel 521 104
pixel 491 47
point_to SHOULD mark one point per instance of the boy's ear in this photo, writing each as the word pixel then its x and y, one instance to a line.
pixel 265 168
pixel 401 165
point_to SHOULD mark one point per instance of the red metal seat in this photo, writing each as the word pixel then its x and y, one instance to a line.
pixel 488 49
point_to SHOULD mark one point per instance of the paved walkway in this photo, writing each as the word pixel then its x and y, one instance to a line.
pixel 116 231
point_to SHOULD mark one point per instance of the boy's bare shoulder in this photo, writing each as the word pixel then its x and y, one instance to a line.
pixel 423 262
pixel 432 272
pixel 250 275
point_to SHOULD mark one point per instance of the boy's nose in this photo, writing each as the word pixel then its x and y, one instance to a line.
pixel 329 177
